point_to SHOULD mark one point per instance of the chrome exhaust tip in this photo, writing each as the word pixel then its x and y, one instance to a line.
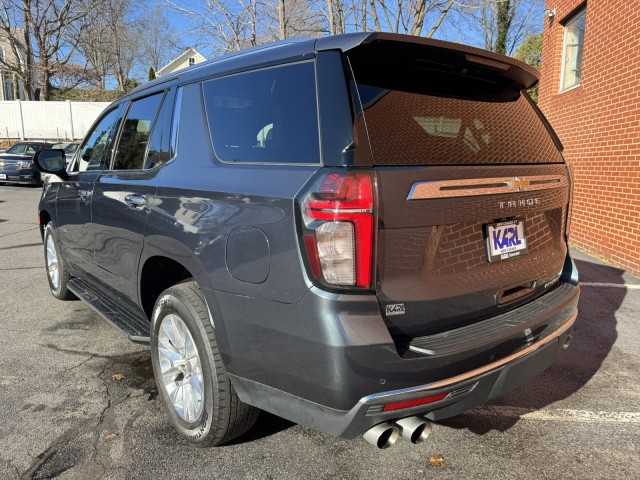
pixel 414 429
pixel 382 435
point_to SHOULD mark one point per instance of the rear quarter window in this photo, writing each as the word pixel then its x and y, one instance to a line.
pixel 265 116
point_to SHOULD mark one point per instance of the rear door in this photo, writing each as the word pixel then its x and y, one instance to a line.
pixel 473 190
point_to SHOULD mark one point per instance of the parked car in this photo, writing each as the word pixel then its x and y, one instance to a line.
pixel 16 164
pixel 359 233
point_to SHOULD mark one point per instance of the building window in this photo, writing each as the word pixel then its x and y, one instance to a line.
pixel 572 51
pixel 192 61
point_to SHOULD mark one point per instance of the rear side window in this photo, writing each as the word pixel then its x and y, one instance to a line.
pixel 160 143
pixel 410 122
pixel 265 116
pixel 136 130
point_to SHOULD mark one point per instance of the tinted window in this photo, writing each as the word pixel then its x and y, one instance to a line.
pixel 427 117
pixel 96 152
pixel 160 142
pixel 24 149
pixel 266 116
pixel 406 128
pixel 136 130
pixel 71 148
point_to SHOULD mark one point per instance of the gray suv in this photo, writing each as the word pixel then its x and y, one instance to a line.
pixel 360 233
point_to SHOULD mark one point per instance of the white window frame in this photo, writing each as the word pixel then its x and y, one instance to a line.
pixel 582 11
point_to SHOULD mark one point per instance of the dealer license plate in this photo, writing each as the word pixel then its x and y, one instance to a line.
pixel 505 240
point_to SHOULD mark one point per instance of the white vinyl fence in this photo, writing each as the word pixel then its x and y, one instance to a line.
pixel 47 120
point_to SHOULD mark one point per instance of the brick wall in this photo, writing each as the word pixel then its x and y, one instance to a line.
pixel 599 124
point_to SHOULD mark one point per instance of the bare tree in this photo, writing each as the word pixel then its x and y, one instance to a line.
pixel 282 24
pixel 295 18
pixel 158 38
pixel 502 24
pixel 399 16
pixel 19 60
pixel 226 25
pixel 39 46
pixel 94 45
pixel 112 40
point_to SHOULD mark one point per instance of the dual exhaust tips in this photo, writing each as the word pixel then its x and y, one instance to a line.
pixel 413 429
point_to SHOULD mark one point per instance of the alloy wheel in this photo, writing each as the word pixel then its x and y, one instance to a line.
pixel 52 263
pixel 181 368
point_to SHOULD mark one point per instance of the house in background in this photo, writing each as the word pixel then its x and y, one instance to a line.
pixel 10 87
pixel 185 59
pixel 590 92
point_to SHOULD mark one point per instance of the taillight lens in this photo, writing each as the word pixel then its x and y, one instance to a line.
pixel 339 220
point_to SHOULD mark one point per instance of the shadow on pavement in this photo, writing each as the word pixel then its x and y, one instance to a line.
pixel 593 339
pixel 266 425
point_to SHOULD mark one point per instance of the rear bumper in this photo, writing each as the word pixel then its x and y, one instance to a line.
pixel 465 392
pixel 329 362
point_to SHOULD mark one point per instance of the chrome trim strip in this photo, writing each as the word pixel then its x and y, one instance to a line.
pixel 484 186
pixel 383 397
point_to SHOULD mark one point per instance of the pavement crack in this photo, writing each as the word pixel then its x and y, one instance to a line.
pixel 43 458
pixel 92 354
pixel 19 231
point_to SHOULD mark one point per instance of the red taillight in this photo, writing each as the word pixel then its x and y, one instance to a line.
pixel 414 403
pixel 343 242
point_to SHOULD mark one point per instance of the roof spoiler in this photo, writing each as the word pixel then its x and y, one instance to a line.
pixel 521 75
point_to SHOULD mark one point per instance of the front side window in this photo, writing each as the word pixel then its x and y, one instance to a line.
pixel 572 51
pixel 71 148
pixel 95 154
pixel 265 116
pixel 135 133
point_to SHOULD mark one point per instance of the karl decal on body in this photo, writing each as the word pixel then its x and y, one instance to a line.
pixel 395 309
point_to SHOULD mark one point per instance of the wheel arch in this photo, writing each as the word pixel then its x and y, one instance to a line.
pixel 44 217
pixel 163 267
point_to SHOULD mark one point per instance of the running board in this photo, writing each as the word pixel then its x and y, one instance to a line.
pixel 129 322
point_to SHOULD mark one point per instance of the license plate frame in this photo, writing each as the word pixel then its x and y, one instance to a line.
pixel 505 240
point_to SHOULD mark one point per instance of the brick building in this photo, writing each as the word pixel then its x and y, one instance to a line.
pixel 590 92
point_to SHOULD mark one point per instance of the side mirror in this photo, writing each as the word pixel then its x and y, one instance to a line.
pixel 51 161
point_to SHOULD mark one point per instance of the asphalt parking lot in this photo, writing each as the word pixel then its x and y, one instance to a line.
pixel 64 415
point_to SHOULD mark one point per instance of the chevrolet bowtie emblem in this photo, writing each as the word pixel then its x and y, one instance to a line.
pixel 520 183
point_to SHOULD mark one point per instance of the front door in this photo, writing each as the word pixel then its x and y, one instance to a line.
pixel 74 211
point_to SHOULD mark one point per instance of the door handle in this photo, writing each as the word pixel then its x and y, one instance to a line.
pixel 135 201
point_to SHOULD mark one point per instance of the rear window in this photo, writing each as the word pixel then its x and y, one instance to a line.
pixel 410 125
pixel 265 116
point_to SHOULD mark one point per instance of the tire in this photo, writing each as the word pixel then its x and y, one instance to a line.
pixel 57 273
pixel 211 412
